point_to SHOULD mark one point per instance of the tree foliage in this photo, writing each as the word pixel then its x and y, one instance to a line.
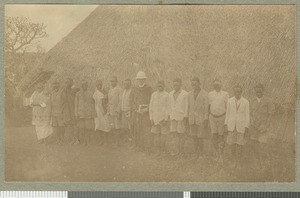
pixel 21 33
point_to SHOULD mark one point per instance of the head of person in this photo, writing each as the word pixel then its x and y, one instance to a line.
pixel 237 89
pixel 127 83
pixel 177 83
pixel 113 81
pixel 217 85
pixel 160 85
pixel 99 84
pixel 195 83
pixel 259 90
pixel 141 78
pixel 55 86
pixel 84 85
pixel 69 82
pixel 40 87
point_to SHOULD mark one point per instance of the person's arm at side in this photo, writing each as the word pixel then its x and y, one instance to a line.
pixel 206 110
pixel 271 111
pixel 119 104
pixel 151 109
pixel 76 106
pixel 247 118
pixel 168 105
pixel 31 100
pixel 209 101
pixel 227 115
pixel 186 107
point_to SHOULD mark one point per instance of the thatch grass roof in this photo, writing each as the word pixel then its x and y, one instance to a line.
pixel 244 44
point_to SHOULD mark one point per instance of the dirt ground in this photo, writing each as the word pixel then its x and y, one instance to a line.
pixel 26 160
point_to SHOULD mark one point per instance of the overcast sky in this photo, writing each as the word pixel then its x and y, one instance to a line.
pixel 59 19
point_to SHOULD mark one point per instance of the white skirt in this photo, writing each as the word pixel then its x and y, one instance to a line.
pixel 43 131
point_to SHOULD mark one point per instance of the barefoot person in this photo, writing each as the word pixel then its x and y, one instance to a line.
pixel 159 110
pixel 41 113
pixel 261 110
pixel 198 115
pixel 85 112
pixel 178 116
pixel 140 104
pixel 127 124
pixel 217 107
pixel 69 110
pixel 114 109
pixel 57 104
pixel 101 122
pixel 237 121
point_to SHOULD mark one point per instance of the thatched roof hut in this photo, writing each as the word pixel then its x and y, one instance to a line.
pixel 245 44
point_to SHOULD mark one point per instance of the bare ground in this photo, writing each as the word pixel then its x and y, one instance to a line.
pixel 26 160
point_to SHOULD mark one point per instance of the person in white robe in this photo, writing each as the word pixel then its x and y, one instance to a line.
pixel 41 113
pixel 101 121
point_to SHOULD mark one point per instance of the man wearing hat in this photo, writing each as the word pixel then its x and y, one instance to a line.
pixel 261 111
pixel 217 107
pixel 141 95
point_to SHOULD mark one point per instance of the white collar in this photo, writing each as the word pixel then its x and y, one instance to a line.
pixel 258 99
pixel 237 100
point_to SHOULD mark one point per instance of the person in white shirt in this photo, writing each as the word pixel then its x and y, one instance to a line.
pixel 101 121
pixel 159 111
pixel 178 114
pixel 237 121
pixel 198 115
pixel 217 109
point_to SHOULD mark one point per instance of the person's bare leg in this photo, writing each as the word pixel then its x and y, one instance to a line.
pixel 196 147
pixel 101 136
pixel 59 135
pixel 116 137
pixel 215 145
pixel 156 144
pixel 87 136
pixel 221 147
pixel 82 135
pixel 76 132
pixel 257 153
pixel 105 138
pixel 200 146
pixel 56 134
pixel 62 134
pixel 71 129
pixel 162 146
pixel 233 153
pixel 239 156
pixel 181 143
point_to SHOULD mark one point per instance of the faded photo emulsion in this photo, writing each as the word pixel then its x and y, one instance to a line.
pixel 150 93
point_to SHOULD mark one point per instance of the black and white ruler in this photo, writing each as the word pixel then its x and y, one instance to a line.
pixel 110 194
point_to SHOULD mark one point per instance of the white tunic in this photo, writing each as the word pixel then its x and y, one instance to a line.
pixel 179 106
pixel 101 122
pixel 160 105
pixel 218 102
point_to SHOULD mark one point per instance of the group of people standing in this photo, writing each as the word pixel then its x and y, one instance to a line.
pixel 156 121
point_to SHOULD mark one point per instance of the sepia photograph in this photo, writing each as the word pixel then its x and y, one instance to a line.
pixel 149 93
